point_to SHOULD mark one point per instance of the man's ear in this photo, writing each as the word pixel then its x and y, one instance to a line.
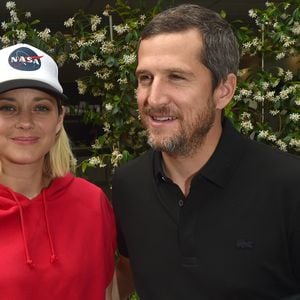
pixel 224 91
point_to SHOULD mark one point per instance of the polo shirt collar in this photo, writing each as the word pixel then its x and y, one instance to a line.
pixel 221 165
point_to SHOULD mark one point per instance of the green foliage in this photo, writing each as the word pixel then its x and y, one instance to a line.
pixel 20 28
pixel 266 105
pixel 107 55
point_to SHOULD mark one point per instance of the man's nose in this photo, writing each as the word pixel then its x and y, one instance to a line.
pixel 158 93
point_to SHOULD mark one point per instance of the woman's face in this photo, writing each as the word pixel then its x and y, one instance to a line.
pixel 29 122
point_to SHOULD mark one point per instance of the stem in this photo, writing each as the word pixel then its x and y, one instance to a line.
pixel 262 67
pixel 110 27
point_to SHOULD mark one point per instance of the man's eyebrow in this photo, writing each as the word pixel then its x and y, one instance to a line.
pixel 141 71
pixel 169 70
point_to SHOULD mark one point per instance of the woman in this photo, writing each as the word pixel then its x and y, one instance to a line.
pixel 57 232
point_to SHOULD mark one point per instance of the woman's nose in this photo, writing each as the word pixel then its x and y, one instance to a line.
pixel 24 120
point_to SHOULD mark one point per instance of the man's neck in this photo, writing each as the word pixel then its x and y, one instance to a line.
pixel 181 169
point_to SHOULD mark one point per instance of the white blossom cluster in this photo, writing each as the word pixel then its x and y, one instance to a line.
pixel 95 21
pixel 121 28
pixel 96 161
pixel 116 157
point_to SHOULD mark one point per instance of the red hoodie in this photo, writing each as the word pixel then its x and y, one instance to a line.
pixel 59 245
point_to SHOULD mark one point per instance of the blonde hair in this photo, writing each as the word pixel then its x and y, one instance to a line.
pixel 60 159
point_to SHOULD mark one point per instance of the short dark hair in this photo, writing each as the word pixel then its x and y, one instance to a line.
pixel 220 53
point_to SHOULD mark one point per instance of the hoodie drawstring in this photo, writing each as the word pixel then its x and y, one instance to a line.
pixel 53 256
pixel 28 258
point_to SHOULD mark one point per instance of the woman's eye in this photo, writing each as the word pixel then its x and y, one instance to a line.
pixel 42 108
pixel 7 108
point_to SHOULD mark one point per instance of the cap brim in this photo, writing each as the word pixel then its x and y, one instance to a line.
pixel 34 84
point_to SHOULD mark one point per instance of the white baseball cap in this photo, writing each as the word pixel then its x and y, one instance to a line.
pixel 24 66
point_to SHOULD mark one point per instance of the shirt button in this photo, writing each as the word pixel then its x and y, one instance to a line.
pixel 180 203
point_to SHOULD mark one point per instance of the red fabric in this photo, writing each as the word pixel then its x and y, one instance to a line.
pixel 68 231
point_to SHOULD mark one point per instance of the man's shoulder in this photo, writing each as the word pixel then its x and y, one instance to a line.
pixel 270 159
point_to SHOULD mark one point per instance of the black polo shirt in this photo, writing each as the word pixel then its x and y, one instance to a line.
pixel 235 236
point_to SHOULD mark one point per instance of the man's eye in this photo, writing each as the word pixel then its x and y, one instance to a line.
pixel 144 78
pixel 176 77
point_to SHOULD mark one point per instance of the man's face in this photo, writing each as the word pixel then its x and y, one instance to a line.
pixel 175 97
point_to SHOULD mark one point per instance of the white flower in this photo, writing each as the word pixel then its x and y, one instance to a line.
pixel 69 22
pixel 27 14
pixel 129 59
pixel 107 47
pixel 265 85
pixel 142 20
pixel 282 145
pixel 108 86
pixel 85 64
pixel 81 86
pixel 14 17
pixel 106 127
pixel 270 95
pixel 95 20
pixel 116 157
pixel 121 28
pixel 271 137
pixel 74 56
pixel 108 106
pixel 280 72
pixel 258 97
pixel 4 25
pixel 296 28
pixel 247 125
pixel 96 160
pixel 252 13
pixel 274 112
pixel 99 36
pixel 263 134
pixel 10 5
pixel 284 94
pixel 245 115
pixel 21 35
pixel 122 81
pixel 297 102
pixel 45 34
pixel 280 55
pixel 245 92
pixel 269 4
pixel 5 40
pixel 294 143
pixel 295 117
pixel 288 76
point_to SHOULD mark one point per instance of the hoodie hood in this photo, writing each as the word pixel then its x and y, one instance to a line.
pixel 12 205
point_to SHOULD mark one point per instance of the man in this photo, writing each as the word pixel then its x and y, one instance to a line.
pixel 206 213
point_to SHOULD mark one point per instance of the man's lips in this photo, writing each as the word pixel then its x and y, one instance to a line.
pixel 163 118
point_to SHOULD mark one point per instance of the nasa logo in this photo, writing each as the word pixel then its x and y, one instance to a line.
pixel 24 59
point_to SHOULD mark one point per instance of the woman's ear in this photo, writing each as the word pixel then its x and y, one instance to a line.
pixel 224 91
pixel 60 120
